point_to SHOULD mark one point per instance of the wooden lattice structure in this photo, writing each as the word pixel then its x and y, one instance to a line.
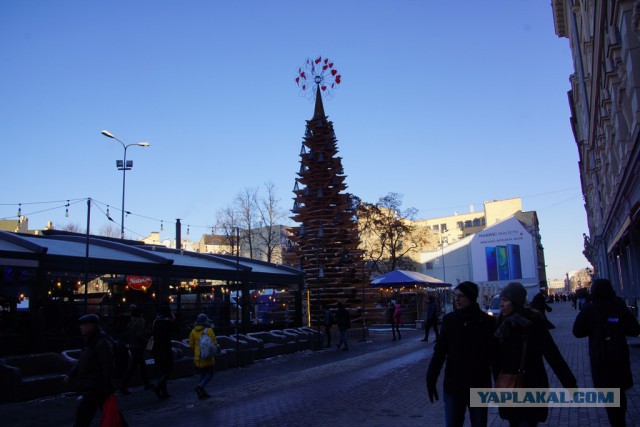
pixel 325 241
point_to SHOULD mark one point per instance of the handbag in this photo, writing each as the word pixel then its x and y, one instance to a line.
pixel 150 344
pixel 511 381
pixel 111 413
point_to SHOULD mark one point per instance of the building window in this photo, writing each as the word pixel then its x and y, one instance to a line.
pixel 467 223
pixel 429 265
pixel 476 222
pixel 443 227
pixel 460 225
pixel 436 227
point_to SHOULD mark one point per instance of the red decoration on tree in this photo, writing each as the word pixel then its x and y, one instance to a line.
pixel 320 73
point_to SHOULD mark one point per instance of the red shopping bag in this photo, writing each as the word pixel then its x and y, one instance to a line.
pixel 111 413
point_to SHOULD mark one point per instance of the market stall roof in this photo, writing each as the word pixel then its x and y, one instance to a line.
pixel 74 253
pixel 399 278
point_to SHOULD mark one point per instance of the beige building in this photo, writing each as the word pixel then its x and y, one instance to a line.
pixel 604 99
pixel 450 229
pixel 15 225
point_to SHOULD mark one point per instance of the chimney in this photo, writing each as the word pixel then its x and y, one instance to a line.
pixel 178 234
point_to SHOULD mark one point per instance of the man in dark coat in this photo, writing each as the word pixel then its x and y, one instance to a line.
pixel 93 374
pixel 467 344
pixel 137 345
pixel 162 349
pixel 431 318
pixel 539 303
pixel 607 322
pixel 343 319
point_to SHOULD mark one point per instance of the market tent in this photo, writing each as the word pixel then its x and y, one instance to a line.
pixel 399 278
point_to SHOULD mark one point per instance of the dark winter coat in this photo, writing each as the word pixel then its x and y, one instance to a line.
pixel 135 333
pixel 161 335
pixel 343 319
pixel 94 370
pixel 467 345
pixel 607 370
pixel 527 324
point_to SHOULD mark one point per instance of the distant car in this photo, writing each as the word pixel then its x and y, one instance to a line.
pixel 494 306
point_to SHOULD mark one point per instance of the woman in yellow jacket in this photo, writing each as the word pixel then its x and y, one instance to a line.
pixel 204 367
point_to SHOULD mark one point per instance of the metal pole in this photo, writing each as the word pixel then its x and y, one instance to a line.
pixel 364 334
pixel 124 172
pixel 237 297
pixel 86 261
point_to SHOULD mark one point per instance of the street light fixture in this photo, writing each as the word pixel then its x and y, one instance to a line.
pixel 124 166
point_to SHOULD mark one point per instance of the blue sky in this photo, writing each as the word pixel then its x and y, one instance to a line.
pixel 449 105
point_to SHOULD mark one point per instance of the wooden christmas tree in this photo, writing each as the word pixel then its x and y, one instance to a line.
pixel 325 243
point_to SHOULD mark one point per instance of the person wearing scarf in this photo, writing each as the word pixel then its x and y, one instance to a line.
pixel 607 322
pixel 517 324
pixel 467 344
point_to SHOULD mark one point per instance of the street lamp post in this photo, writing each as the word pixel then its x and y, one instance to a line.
pixel 124 166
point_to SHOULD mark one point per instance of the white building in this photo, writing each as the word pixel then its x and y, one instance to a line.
pixel 502 253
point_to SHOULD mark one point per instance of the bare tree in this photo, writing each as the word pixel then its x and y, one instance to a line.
pixel 71 227
pixel 227 220
pixel 108 230
pixel 389 233
pixel 270 219
pixel 246 206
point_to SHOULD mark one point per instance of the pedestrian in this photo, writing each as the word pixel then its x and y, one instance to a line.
pixel 92 375
pixel 328 322
pixel 539 303
pixel 607 322
pixel 395 323
pixel 467 345
pixel 431 318
pixel 162 349
pixel 523 342
pixel 344 322
pixel 137 345
pixel 205 366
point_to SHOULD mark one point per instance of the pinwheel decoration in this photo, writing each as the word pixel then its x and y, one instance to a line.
pixel 319 72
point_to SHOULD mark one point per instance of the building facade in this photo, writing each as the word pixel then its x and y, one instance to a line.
pixel 604 99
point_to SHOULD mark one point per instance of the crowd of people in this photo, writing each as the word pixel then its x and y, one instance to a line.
pixel 95 374
pixel 475 349
pixel 508 351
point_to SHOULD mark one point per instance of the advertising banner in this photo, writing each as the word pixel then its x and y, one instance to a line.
pixel 503 252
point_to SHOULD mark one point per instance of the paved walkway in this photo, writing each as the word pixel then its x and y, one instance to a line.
pixel 376 383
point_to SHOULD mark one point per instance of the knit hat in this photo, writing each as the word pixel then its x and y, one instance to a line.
pixel 601 289
pixel 202 320
pixel 516 293
pixel 89 318
pixel 469 289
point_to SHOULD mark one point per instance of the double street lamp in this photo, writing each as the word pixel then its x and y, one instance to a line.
pixel 124 166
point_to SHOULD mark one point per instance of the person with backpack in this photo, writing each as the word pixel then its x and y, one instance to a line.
pixel 93 374
pixel 202 341
pixel 607 322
